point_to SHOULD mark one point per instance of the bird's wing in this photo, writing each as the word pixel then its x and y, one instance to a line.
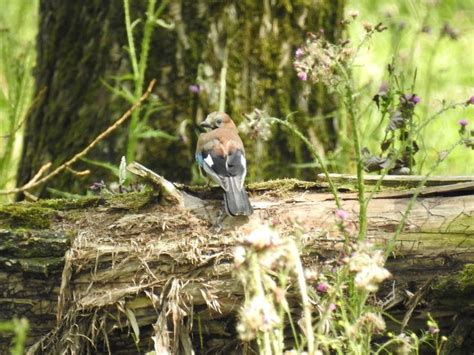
pixel 236 166
pixel 221 168
pixel 214 166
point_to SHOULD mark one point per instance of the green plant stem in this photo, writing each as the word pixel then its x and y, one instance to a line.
pixel 260 292
pixel 429 82
pixel 348 96
pixel 307 318
pixel 223 81
pixel 315 155
pixel 131 43
pixel 411 203
pixel 139 67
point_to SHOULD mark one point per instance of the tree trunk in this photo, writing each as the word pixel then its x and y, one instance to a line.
pixel 78 45
pixel 81 44
pixel 138 267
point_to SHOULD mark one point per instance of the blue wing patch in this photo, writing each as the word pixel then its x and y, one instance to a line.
pixel 199 159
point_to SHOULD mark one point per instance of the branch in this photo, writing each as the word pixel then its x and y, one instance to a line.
pixel 32 183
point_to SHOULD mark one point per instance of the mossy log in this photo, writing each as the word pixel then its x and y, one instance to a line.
pixel 94 276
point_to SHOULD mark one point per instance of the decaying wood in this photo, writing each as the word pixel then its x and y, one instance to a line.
pixel 160 273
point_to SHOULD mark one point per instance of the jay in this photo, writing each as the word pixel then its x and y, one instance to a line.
pixel 220 153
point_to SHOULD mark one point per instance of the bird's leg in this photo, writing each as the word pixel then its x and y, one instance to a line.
pixel 219 220
pixel 208 181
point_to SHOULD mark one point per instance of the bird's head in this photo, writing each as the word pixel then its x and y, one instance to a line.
pixel 217 120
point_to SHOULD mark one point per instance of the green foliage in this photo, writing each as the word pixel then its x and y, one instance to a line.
pixel 17 57
pixel 138 125
pixel 427 40
pixel 19 327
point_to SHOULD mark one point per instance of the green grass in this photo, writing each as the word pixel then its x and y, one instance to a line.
pixel 17 57
pixel 444 67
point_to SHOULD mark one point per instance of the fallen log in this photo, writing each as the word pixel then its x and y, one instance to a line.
pixel 147 270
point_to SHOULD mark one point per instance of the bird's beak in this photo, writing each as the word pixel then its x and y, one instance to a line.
pixel 205 124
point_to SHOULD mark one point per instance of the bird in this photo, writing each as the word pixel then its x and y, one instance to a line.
pixel 221 154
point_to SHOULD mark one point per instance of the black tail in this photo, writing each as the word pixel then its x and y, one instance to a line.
pixel 236 199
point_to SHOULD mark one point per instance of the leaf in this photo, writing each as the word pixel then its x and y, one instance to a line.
pixel 164 24
pixel 156 133
pixel 134 23
pixel 122 92
pixel 386 144
pixel 122 171
pixel 133 322
pixel 103 164
pixel 313 164
pixel 396 121
pixel 3 99
pixel 63 194
pixel 373 162
pixel 123 77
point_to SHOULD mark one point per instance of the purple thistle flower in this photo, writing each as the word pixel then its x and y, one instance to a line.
pixel 332 307
pixel 302 76
pixel 97 186
pixel 194 88
pixel 299 52
pixel 322 287
pixel 415 99
pixel 412 98
pixel 342 214
pixel 463 122
pixel 470 101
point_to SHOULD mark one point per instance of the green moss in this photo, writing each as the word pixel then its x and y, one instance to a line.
pixel 26 216
pixel 456 290
pixel 131 200
pixel 70 204
pixel 466 278
pixel 435 239
pixel 283 185
pixel 295 184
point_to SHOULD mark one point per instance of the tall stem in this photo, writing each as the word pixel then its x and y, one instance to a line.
pixel 315 155
pixel 349 102
pixel 139 68
pixel 223 83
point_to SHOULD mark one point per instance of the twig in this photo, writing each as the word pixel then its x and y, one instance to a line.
pixel 38 174
pixel 415 300
pixel 33 183
pixel 79 173
pixel 166 187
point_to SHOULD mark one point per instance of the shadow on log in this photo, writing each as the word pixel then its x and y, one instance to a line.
pixel 145 271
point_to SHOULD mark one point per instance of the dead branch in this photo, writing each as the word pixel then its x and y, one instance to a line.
pixel 32 183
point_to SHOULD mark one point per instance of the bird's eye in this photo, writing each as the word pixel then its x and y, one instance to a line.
pixel 219 121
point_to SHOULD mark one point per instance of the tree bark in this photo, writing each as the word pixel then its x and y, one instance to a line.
pixel 81 44
pixel 138 266
pixel 78 45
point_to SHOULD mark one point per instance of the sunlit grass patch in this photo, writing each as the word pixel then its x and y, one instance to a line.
pixel 17 58
pixel 433 40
